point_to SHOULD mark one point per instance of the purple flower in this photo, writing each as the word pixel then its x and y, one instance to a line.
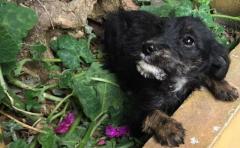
pixel 114 132
pixel 101 142
pixel 65 124
pixel 110 131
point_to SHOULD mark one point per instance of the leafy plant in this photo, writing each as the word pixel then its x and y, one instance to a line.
pixel 93 88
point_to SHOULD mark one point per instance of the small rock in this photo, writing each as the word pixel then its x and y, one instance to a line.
pixel 129 5
pixel 194 140
pixel 216 129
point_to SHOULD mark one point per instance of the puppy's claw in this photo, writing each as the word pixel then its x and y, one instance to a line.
pixel 228 94
pixel 166 130
pixel 171 134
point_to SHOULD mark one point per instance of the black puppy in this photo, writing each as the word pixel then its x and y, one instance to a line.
pixel 160 61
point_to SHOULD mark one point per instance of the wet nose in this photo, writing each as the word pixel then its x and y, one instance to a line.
pixel 148 48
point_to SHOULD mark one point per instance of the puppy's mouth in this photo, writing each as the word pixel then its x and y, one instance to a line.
pixel 150 71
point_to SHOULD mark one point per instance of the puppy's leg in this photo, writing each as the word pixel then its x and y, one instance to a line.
pixel 222 90
pixel 166 130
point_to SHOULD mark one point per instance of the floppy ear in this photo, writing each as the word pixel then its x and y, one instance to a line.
pixel 220 61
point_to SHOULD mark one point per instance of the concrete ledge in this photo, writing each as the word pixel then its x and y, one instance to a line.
pixel 204 118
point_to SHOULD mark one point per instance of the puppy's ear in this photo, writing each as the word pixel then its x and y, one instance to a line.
pixel 220 61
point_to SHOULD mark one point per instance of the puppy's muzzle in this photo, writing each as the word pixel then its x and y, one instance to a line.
pixel 151 47
pixel 145 66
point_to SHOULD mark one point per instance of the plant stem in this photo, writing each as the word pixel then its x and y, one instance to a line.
pixel 21 123
pixel 52 97
pixel 235 18
pixel 51 60
pixel 92 127
pixel 59 113
pixel 2 82
pixel 58 105
pixel 28 87
pixel 11 99
pixel 104 80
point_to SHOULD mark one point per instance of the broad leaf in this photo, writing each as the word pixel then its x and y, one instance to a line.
pixel 184 8
pixel 15 23
pixel 16 19
pixel 97 90
pixel 8 46
pixel 71 51
pixel 163 11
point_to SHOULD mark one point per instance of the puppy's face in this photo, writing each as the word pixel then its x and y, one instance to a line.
pixel 183 48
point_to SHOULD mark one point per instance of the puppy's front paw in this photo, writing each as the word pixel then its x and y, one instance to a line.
pixel 226 93
pixel 170 133
pixel 166 130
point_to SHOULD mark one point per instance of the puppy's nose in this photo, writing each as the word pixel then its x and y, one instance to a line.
pixel 148 48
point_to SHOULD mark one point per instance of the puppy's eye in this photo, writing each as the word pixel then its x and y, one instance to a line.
pixel 188 41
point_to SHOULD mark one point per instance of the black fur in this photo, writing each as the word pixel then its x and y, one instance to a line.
pixel 176 68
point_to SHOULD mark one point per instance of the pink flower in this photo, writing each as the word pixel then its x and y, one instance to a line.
pixel 65 124
pixel 114 132
pixel 101 142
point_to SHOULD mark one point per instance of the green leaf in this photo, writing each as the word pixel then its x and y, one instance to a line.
pixel 16 19
pixel 7 68
pixel 184 9
pixel 48 140
pixel 69 59
pixel 206 2
pixel 8 46
pixel 15 23
pixel 20 143
pixel 163 11
pixel 71 51
pixel 170 7
pixel 205 15
pixel 97 90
